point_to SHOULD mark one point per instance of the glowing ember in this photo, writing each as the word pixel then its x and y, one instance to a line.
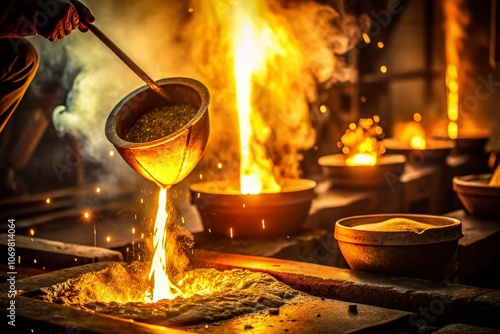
pixel 361 143
pixel 162 287
pixel 257 40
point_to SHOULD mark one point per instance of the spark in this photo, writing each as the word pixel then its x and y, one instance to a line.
pixel 366 38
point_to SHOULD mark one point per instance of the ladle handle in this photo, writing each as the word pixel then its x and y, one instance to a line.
pixel 126 59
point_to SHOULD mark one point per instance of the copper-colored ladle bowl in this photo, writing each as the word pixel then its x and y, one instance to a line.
pixel 170 159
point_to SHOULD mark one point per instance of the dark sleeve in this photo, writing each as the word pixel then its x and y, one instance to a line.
pixel 18 18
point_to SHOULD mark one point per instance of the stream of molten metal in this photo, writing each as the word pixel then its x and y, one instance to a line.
pixel 163 288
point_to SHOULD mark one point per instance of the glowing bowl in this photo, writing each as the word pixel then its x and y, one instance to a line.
pixel 170 159
pixel 399 249
pixel 478 198
pixel 225 211
pixel 435 151
pixel 386 172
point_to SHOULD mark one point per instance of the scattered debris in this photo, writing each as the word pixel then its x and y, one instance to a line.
pixel 274 311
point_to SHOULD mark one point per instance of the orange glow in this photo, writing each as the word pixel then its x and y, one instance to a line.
pixel 163 288
pixel 48 200
pixel 453 99
pixel 452 130
pixel 362 159
pixel 258 40
pixel 86 215
pixel 361 143
pixel 418 143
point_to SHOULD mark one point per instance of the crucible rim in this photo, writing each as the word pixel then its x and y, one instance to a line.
pixel 115 139
pixel 451 230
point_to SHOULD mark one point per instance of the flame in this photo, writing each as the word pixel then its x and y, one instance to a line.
pixel 361 143
pixel 257 40
pixel 452 104
pixel 163 288
pixel 455 20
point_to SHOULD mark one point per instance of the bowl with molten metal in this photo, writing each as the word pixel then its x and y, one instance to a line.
pixel 434 152
pixel 399 244
pixel 479 194
pixel 385 172
pixel 162 141
pixel 225 211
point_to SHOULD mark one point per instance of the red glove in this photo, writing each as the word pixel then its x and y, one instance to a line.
pixel 57 18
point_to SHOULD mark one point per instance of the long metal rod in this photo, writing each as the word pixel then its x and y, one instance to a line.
pixel 126 59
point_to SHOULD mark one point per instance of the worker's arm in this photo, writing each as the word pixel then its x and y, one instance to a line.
pixel 52 19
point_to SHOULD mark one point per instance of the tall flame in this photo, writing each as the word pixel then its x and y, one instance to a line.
pixel 452 103
pixel 163 288
pixel 455 19
pixel 256 40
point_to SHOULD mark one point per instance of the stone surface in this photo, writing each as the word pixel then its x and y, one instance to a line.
pixel 479 249
pixel 486 309
pixel 56 255
pixel 464 328
pixel 313 315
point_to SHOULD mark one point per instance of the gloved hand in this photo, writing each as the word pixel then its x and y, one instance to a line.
pixel 57 18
